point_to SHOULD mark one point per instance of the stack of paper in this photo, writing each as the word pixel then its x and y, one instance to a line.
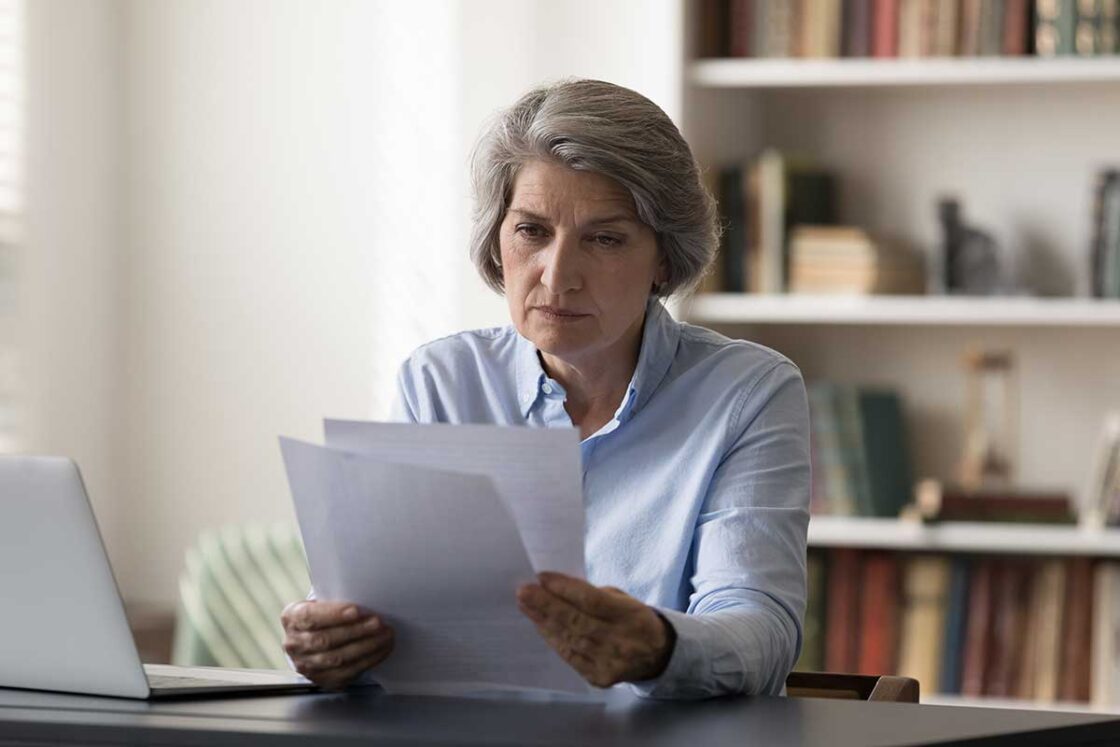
pixel 434 527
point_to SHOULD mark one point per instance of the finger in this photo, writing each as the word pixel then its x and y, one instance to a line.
pixel 606 605
pixel 315 614
pixel 325 639
pixel 346 675
pixel 345 656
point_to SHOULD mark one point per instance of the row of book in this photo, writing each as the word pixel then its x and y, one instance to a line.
pixel 781 235
pixel 1036 629
pixel 859 450
pixel 908 28
pixel 1106 236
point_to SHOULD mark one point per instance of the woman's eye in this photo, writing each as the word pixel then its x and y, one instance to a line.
pixel 606 240
pixel 530 231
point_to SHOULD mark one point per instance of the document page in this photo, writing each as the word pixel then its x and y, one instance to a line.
pixel 438 555
pixel 536 470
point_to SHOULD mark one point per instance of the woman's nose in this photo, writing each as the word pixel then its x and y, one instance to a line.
pixel 561 272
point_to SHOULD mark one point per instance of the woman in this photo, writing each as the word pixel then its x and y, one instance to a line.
pixel 695 447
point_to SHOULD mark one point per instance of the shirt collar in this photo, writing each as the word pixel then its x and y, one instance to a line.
pixel 660 336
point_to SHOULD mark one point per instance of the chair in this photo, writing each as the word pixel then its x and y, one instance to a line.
pixel 235 583
pixel 852 687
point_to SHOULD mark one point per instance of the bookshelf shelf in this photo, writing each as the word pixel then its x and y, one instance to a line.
pixel 739 308
pixel 1026 539
pixel 870 73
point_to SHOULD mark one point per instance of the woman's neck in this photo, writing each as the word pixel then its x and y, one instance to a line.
pixel 595 384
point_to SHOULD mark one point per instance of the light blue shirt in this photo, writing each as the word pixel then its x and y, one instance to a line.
pixel 696 492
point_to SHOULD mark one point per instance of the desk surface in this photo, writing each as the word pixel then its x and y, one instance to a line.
pixel 372 717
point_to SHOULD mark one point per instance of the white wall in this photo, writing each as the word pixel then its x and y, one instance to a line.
pixel 293 192
pixel 69 268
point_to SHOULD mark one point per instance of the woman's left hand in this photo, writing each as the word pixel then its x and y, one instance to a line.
pixel 606 635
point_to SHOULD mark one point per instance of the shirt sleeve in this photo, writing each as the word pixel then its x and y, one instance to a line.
pixel 742 630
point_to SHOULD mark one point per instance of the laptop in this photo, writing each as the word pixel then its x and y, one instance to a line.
pixel 63 626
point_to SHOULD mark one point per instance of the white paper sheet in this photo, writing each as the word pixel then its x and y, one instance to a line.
pixel 436 553
pixel 536 470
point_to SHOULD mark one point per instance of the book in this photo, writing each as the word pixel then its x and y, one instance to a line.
pixel 1009 628
pixel 886 451
pixel 1105 690
pixel 991 27
pixel 925 604
pixel 978 628
pixel 733 242
pixel 911 24
pixel 956 617
pixel 856 28
pixel 849 421
pixel 832 486
pixel 782 192
pixel 1106 236
pixel 946 33
pixel 879 608
pixel 1109 37
pixel 812 648
pixel 820 28
pixel 740 31
pixel 1016 27
pixel 843 613
pixel 1086 33
pixel 936 502
pixel 844 259
pixel 1074 674
pixel 1049 607
pixel 712 38
pixel 775 29
pixel 970 21
pixel 1055 23
pixel 884 28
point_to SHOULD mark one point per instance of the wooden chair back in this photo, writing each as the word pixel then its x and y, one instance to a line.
pixel 852 687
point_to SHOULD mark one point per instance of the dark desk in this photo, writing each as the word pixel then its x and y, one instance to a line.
pixel 371 717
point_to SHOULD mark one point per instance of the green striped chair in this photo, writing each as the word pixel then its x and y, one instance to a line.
pixel 235 583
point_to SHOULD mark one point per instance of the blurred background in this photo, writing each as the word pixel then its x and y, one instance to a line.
pixel 221 222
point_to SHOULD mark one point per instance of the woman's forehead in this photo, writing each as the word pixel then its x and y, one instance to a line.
pixel 543 188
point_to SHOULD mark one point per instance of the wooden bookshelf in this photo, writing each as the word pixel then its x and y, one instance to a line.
pixel 964 537
pixel 753 73
pixel 743 308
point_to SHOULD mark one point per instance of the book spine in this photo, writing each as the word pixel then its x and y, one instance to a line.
pixel 884 39
pixel 978 630
pixel 1016 15
pixel 948 22
pixel 956 619
pixel 910 26
pixel 1086 35
pixel 1074 677
pixel 1055 22
pixel 740 28
pixel 842 592
pixel 879 606
pixel 857 28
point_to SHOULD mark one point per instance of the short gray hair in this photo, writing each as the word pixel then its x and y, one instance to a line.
pixel 595 126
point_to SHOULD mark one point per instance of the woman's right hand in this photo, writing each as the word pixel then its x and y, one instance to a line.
pixel 331 643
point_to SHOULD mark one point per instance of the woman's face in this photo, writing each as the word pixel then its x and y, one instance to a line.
pixel 577 262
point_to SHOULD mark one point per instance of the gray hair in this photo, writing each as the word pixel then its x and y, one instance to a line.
pixel 595 126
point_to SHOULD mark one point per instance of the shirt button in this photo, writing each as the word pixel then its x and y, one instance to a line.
pixel 547 388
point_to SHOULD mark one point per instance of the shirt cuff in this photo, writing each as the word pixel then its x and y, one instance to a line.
pixel 688 665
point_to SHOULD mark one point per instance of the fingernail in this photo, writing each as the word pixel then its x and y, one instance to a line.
pixel 373 623
pixel 350 613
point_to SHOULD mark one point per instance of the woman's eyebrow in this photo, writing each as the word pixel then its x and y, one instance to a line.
pixel 612 218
